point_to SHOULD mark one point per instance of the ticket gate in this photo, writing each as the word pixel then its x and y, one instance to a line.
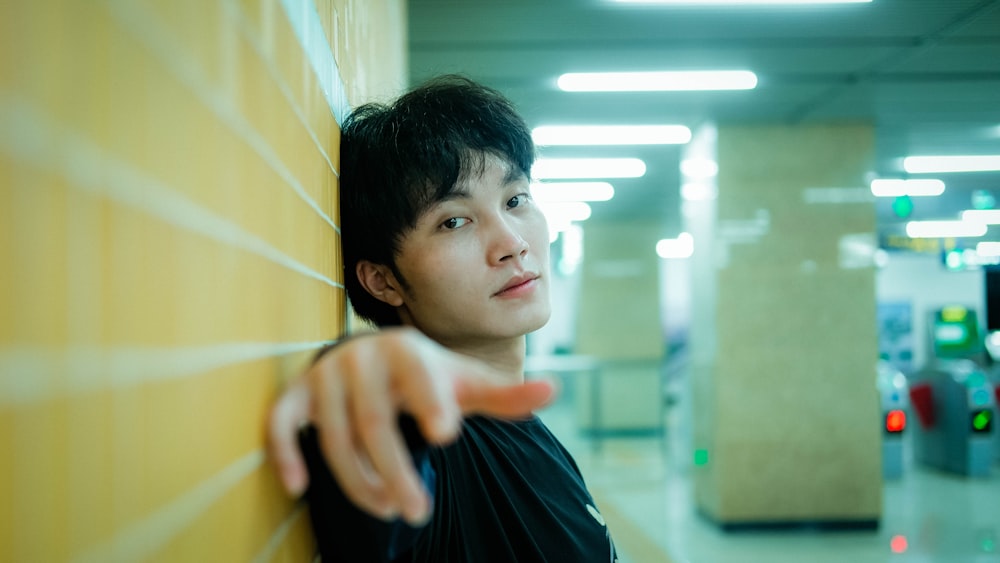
pixel 996 412
pixel 993 350
pixel 895 400
pixel 956 406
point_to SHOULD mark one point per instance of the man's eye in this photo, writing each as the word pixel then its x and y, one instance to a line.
pixel 454 222
pixel 519 199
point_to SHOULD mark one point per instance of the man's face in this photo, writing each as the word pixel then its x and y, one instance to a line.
pixel 477 263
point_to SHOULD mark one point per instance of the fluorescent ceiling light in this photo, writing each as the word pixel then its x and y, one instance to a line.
pixel 572 191
pixel 565 211
pixel 715 2
pixel 561 215
pixel 611 135
pixel 984 216
pixel 897 188
pixel 547 168
pixel 944 229
pixel 699 168
pixel 988 249
pixel 657 81
pixel 697 191
pixel 680 247
pixel 961 163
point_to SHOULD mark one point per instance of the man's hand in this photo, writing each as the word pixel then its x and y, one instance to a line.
pixel 354 394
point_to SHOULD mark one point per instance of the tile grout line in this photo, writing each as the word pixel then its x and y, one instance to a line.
pixel 150 534
pixel 34 374
pixel 28 135
pixel 254 42
pixel 275 541
pixel 160 43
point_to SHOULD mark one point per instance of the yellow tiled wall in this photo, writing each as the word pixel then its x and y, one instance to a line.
pixel 169 258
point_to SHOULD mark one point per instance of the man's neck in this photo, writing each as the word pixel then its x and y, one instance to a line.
pixel 506 356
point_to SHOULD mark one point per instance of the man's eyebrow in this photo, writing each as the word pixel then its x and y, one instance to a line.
pixel 514 174
pixel 458 193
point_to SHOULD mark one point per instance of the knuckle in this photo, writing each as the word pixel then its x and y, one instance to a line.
pixel 317 378
pixel 371 424
pixel 351 367
pixel 333 443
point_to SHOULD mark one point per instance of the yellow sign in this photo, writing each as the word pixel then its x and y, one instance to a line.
pixel 954 314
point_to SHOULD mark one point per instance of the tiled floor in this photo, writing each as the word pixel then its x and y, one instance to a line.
pixel 642 490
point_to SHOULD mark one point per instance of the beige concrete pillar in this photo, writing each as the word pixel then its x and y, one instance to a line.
pixel 786 422
pixel 618 324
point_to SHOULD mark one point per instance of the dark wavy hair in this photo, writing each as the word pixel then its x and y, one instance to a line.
pixel 398 160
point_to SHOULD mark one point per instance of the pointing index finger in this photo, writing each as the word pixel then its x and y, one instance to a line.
pixel 482 396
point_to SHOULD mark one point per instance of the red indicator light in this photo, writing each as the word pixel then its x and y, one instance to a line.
pixel 898 544
pixel 895 421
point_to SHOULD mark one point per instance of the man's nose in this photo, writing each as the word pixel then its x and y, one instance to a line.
pixel 506 242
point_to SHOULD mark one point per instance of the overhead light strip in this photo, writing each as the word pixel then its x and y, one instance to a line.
pixel 699 168
pixel 954 163
pixel 944 229
pixel 886 187
pixel 548 135
pixel 572 191
pixel 561 213
pixel 579 168
pixel 680 247
pixel 984 216
pixel 990 248
pixel 740 2
pixel 659 81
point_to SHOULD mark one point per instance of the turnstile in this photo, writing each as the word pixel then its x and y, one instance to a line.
pixel 956 408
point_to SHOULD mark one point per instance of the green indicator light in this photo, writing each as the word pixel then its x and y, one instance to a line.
pixel 988 545
pixel 981 421
pixel 902 206
pixel 701 457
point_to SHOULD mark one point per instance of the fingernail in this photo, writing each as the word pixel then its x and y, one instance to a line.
pixel 294 482
pixel 418 520
pixel 444 427
pixel 390 513
pixel 417 513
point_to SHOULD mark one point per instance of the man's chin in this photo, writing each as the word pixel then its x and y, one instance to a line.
pixel 535 324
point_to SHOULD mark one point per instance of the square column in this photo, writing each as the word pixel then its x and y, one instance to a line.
pixel 786 414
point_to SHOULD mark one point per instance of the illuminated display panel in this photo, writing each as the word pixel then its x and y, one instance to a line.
pixel 955 332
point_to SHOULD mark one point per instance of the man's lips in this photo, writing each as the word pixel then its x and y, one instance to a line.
pixel 517 281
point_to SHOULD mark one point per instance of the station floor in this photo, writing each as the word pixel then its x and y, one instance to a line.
pixel 640 486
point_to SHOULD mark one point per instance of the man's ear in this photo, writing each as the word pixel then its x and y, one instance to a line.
pixel 378 280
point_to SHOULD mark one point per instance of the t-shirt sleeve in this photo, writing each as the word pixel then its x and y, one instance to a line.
pixel 344 532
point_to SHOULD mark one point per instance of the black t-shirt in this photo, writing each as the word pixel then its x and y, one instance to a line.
pixel 504 491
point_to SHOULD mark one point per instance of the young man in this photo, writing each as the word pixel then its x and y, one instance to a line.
pixel 423 446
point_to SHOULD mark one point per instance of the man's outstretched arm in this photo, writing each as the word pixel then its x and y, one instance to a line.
pixel 354 394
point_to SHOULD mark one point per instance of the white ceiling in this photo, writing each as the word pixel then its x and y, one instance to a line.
pixel 925 72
